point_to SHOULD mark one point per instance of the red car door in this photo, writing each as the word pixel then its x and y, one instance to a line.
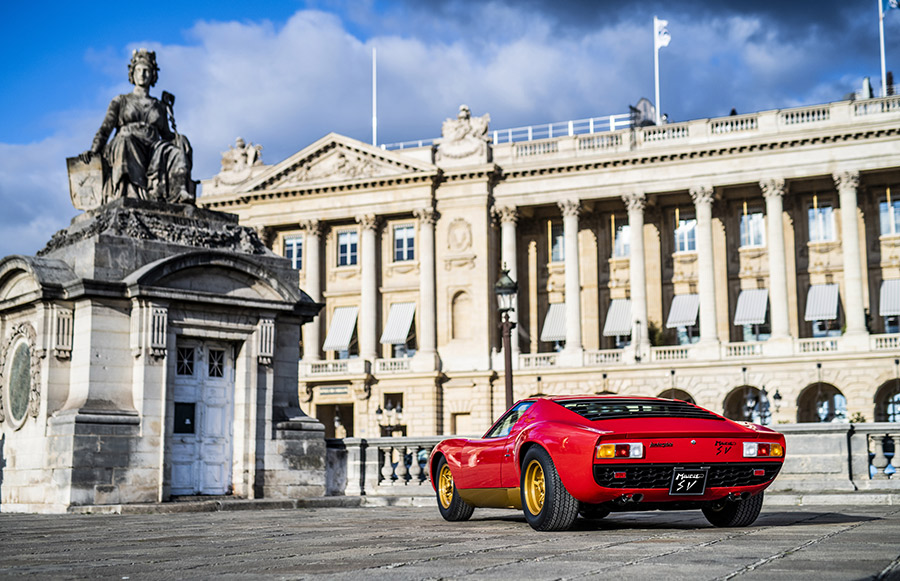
pixel 482 461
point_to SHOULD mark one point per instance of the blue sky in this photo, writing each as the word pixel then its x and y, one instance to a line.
pixel 284 73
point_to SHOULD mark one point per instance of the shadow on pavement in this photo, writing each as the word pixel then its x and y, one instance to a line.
pixel 676 520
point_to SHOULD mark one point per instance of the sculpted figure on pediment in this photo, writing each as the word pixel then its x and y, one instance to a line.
pixel 342 165
pixel 464 138
pixel 241 156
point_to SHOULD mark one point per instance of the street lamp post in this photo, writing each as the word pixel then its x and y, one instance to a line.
pixel 506 289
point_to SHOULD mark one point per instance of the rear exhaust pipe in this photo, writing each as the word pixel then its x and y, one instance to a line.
pixel 628 499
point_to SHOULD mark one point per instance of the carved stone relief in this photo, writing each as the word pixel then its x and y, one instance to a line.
pixel 20 380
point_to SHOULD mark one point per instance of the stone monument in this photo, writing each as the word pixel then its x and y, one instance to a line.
pixel 150 349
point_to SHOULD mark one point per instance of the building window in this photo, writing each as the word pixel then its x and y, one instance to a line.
pixel 293 251
pixel 347 244
pixel 890 215
pixel 829 328
pixel 821 222
pixel 184 361
pixel 557 241
pixel 216 363
pixel 685 232
pixel 892 324
pixel 687 335
pixel 621 238
pixel 753 228
pixel 404 243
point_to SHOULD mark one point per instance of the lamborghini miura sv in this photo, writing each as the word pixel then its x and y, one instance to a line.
pixel 559 457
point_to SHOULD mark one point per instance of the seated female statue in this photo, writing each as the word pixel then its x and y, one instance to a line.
pixel 146 158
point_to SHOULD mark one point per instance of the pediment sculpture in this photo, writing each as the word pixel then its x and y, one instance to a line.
pixel 342 164
pixel 146 158
pixel 464 138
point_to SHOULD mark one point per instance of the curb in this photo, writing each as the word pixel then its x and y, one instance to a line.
pixel 224 505
pixel 236 504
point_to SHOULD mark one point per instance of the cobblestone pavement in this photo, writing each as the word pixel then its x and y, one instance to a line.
pixel 808 542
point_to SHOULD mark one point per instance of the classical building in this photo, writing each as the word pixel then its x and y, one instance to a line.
pixel 749 263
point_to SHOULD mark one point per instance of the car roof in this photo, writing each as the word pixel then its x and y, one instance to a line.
pixel 558 398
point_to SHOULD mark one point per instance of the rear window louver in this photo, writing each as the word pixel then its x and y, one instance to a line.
pixel 618 409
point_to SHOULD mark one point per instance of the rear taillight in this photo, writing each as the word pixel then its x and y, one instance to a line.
pixel 763 450
pixel 625 450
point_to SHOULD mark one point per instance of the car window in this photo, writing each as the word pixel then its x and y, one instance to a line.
pixel 502 428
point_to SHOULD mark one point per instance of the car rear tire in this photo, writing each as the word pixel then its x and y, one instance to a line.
pixel 592 511
pixel 452 507
pixel 734 514
pixel 547 504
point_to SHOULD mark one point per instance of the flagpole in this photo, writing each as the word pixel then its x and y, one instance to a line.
pixel 374 101
pixel 656 69
pixel 881 35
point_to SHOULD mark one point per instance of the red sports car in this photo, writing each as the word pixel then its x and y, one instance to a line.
pixel 557 457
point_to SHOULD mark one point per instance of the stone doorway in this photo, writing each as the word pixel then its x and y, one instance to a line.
pixel 202 410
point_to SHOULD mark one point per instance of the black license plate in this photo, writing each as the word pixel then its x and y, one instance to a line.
pixel 688 481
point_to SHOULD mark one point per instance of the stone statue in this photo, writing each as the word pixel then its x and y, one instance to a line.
pixel 145 159
pixel 241 155
pixel 464 137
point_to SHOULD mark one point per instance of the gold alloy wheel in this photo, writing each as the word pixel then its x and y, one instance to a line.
pixel 534 487
pixel 445 486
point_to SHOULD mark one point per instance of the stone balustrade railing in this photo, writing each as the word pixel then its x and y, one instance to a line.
pixel 607 357
pixel 820 457
pixel 614 134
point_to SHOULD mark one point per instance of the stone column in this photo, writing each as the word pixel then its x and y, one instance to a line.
pixel 846 183
pixel 509 257
pixel 312 337
pixel 427 293
pixel 773 191
pixel 703 199
pixel 368 315
pixel 570 211
pixel 635 202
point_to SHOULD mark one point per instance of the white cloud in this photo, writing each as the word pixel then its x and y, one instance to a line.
pixel 284 86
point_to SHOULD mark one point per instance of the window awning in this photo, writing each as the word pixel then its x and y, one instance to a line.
pixel 340 333
pixel 889 304
pixel 399 321
pixel 618 318
pixel 683 312
pixel 751 307
pixel 554 324
pixel 821 302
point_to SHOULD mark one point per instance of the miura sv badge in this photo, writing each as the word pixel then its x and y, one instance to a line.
pixel 688 481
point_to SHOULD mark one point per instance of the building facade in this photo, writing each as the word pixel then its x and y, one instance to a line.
pixel 749 263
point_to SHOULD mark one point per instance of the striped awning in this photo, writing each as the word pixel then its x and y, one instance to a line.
pixel 889 304
pixel 399 321
pixel 618 318
pixel 821 302
pixel 554 324
pixel 340 333
pixel 751 307
pixel 683 312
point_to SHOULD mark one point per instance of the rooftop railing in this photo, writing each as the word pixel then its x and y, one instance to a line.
pixel 613 133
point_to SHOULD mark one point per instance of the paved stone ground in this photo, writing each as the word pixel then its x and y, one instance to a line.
pixel 787 542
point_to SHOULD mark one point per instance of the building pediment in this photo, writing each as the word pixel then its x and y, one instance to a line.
pixel 336 159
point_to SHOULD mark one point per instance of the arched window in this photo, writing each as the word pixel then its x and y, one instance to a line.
pixel 677 394
pixel 748 404
pixel 461 312
pixel 821 402
pixel 887 402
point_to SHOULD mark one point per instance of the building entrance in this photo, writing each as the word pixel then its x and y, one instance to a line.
pixel 201 437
